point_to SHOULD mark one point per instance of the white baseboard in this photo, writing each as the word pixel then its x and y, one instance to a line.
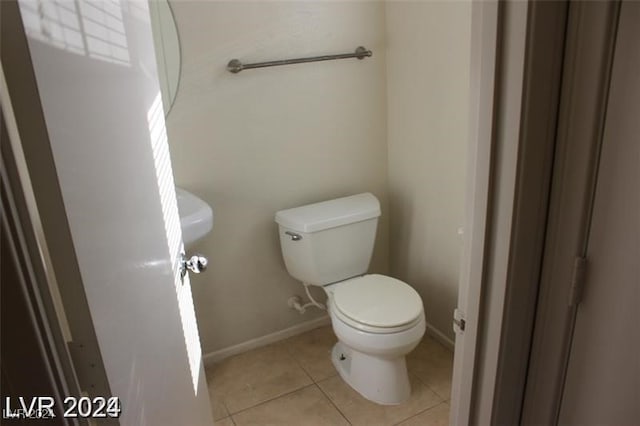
pixel 440 337
pixel 217 356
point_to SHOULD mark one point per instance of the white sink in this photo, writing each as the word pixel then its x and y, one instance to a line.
pixel 196 216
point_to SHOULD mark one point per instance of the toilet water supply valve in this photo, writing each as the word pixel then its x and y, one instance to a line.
pixel 295 302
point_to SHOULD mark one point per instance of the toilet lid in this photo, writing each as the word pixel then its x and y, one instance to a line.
pixel 378 301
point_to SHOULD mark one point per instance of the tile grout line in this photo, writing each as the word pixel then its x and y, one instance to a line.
pixel 411 372
pixel 333 403
pixel 442 400
pixel 315 382
pixel 220 400
pixel 302 366
pixel 271 399
pixel 295 359
pixel 421 412
pixel 415 376
pixel 225 407
pixel 288 353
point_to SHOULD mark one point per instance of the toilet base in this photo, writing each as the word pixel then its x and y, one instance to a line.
pixel 381 380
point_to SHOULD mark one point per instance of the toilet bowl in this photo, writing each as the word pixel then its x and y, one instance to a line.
pixel 378 319
pixel 372 343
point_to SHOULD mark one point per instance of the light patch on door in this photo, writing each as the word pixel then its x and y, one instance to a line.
pixel 173 231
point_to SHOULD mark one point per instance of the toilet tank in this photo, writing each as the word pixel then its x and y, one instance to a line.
pixel 331 241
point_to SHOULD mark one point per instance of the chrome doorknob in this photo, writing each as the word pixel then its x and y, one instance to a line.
pixel 196 264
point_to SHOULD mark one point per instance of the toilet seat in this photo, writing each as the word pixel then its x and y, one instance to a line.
pixel 376 304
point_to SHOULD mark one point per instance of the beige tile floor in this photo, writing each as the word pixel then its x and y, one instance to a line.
pixel 293 382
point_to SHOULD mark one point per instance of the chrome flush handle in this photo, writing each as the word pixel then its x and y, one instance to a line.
pixel 294 236
pixel 196 264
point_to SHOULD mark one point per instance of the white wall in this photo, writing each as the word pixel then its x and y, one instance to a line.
pixel 264 140
pixel 428 54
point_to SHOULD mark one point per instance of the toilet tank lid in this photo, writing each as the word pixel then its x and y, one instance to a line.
pixel 330 214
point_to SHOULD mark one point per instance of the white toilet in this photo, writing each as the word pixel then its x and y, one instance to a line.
pixel 377 319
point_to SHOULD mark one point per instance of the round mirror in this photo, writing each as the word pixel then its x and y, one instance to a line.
pixel 167 45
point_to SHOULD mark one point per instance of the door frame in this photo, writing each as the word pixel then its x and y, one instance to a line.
pixel 38 361
pixel 507 197
pixel 35 361
pixel 581 125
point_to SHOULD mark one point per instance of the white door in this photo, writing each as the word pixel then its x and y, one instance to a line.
pixel 603 377
pixel 96 75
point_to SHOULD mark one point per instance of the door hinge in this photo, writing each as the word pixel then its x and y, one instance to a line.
pixel 577 280
pixel 459 322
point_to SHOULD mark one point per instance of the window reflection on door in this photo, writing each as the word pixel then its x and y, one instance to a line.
pixel 90 28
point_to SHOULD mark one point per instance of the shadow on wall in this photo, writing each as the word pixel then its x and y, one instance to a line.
pixel 401 222
pixel 419 258
pixel 427 116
